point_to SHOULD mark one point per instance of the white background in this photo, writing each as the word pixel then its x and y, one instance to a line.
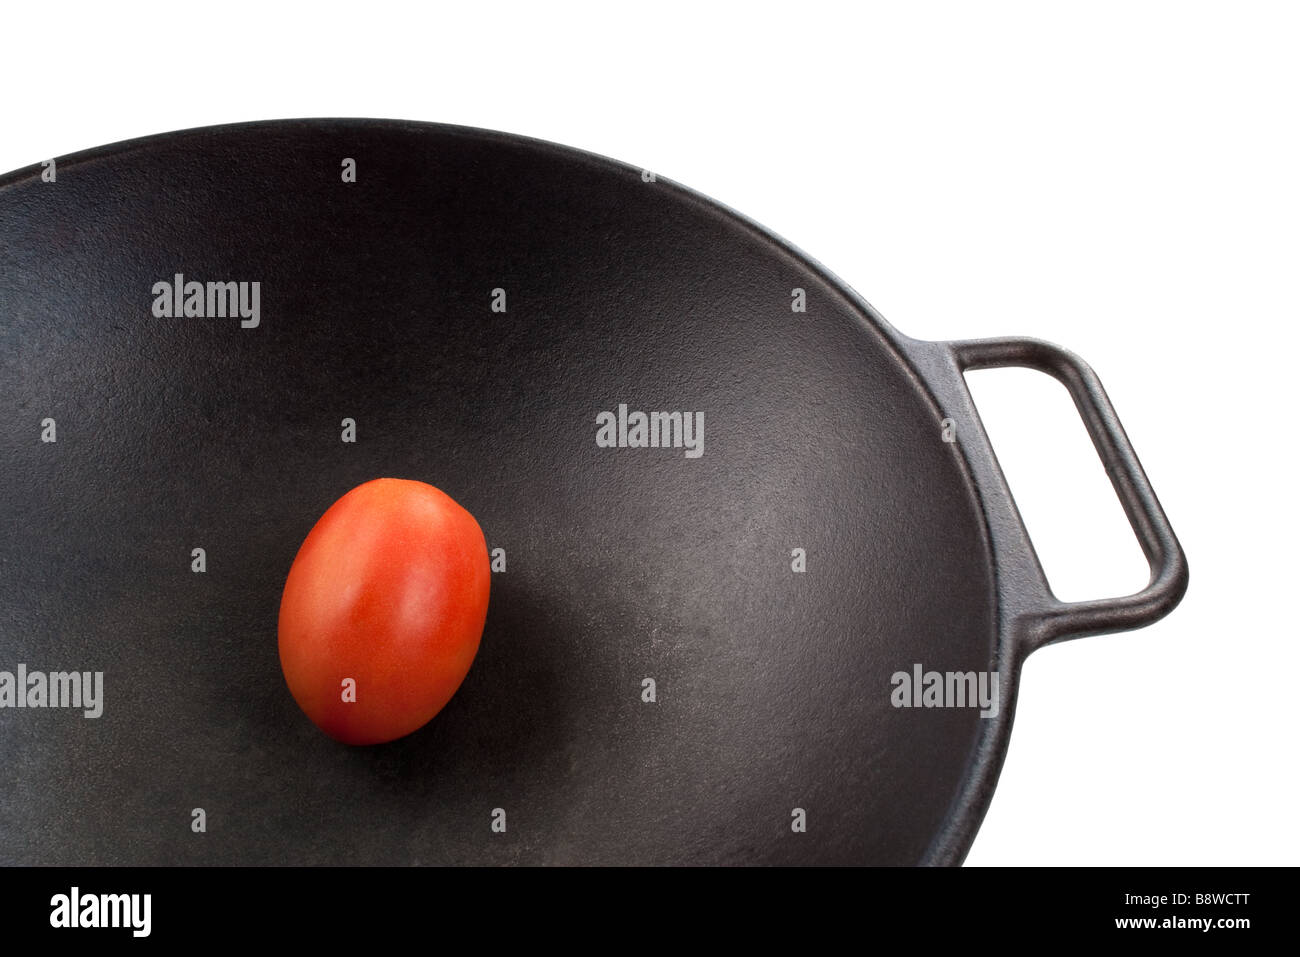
pixel 1121 178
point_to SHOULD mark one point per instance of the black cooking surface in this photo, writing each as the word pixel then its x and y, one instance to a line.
pixel 773 687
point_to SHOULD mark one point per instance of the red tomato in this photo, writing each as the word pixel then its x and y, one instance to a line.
pixel 390 591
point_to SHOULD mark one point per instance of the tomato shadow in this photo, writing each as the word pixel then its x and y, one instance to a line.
pixel 502 739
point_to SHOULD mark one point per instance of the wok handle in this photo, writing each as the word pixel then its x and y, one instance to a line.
pixel 1169 575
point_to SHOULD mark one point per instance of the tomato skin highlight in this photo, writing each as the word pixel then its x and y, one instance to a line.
pixel 390 589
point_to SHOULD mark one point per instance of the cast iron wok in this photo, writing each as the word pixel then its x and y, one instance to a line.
pixel 831 443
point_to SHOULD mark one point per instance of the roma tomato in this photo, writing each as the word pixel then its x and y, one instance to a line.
pixel 383 610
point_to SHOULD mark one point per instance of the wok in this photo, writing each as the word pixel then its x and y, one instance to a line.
pixel 477 304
